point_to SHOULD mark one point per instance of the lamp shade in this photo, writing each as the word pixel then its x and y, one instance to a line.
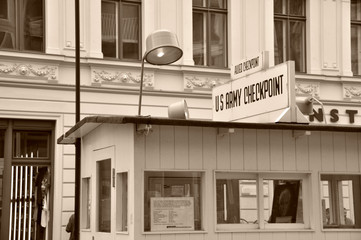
pixel 162 48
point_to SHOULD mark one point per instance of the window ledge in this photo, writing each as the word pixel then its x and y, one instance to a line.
pixel 175 232
pixel 264 230
pixel 341 230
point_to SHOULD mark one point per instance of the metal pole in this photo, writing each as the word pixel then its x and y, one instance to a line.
pixel 141 87
pixel 77 119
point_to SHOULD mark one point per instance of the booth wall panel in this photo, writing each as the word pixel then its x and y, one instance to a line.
pixel 302 153
pixel 181 148
pixel 195 148
pixel 223 152
pixel 352 152
pixel 167 147
pixel 250 149
pixel 327 151
pixel 263 150
pixel 289 149
pixel 237 150
pixel 152 154
pixel 276 154
pixel 339 151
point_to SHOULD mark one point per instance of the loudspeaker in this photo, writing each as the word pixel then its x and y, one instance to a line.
pixel 305 105
pixel 178 110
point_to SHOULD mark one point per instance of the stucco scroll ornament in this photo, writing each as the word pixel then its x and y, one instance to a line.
pixel 28 70
pixel 307 89
pixel 352 92
pixel 205 83
pixel 122 77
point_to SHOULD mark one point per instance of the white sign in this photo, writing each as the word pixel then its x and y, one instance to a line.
pixel 172 214
pixel 259 93
pixel 250 65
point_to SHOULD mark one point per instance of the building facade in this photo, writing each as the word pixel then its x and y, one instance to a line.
pixel 37 81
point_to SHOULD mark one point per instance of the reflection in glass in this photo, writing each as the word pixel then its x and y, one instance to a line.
pixel 297 7
pixel 109 29
pixel 104 195
pixel 130 31
pixel 86 203
pixel 28 144
pixel 199 38
pixel 33 25
pixel 218 40
pixel 356 49
pixel 122 202
pixel 297 49
pixel 236 201
pixel 172 201
pixel 280 41
pixel 285 201
pixel 356 10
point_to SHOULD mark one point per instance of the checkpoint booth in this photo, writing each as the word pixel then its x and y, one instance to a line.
pixel 258 170
pixel 160 178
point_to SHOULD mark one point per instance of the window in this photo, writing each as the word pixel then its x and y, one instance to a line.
pixel 341 201
pixel 22 25
pixel 121 29
pixel 104 195
pixel 122 202
pixel 86 203
pixel 356 36
pixel 261 201
pixel 173 201
pixel 289 32
pixel 31 144
pixel 210 33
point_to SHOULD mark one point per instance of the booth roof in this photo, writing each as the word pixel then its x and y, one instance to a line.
pixel 88 124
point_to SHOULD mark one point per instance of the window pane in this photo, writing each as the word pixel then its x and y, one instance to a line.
pixel 199 45
pixel 341 201
pixel 130 31
pixel 33 25
pixel 104 195
pixel 172 201
pixel 297 7
pixel 356 10
pixel 86 203
pixel 4 9
pixel 109 29
pixel 285 197
pixel 280 27
pixel 122 202
pixel 297 42
pixel 2 136
pixel 220 4
pixel 199 3
pixel 31 144
pixel 356 49
pixel 236 201
pixel 218 40
pixel 280 6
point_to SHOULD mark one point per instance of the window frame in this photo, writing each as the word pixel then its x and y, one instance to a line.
pixel 304 177
pixel 202 176
pixel 355 23
pixel 293 18
pixel 16 18
pixel 208 10
pixel 119 41
pixel 336 177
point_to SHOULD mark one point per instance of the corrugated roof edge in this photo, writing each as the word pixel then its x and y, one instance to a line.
pixel 116 119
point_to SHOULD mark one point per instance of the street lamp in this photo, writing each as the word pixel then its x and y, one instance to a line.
pixel 162 48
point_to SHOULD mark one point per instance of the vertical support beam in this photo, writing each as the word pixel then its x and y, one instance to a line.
pixel 77 119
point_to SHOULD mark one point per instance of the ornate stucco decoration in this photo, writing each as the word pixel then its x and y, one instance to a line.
pixel 122 78
pixel 309 89
pixel 352 91
pixel 202 83
pixel 29 70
